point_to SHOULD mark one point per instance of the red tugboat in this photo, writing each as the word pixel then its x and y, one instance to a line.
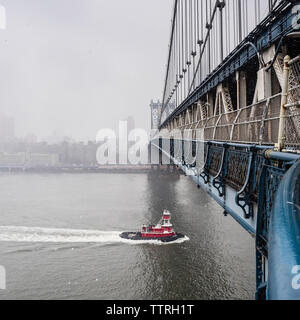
pixel 163 231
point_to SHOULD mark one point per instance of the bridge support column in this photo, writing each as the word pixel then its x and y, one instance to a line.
pixel 210 105
pixel 284 95
pixel 223 104
pixel 241 85
pixel 203 109
pixel 263 86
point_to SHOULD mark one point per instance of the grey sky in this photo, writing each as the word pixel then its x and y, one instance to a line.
pixel 76 66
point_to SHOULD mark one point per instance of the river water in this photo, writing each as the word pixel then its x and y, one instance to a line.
pixel 59 239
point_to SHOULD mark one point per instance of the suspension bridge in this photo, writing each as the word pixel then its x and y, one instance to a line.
pixel 230 119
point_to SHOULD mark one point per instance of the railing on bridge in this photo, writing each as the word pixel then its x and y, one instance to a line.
pixel 259 122
pixel 246 180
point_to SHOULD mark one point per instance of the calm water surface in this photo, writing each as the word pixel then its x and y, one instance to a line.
pixel 59 239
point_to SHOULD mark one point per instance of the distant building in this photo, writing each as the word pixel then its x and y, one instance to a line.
pixel 42 160
pixel 130 124
pixel 13 160
pixel 27 152
pixel 31 138
pixel 22 159
pixel 7 128
pixel 90 154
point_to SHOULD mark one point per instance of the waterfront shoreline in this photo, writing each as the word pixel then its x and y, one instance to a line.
pixel 101 169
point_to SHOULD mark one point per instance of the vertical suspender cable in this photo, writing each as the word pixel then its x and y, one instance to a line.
pixel 234 24
pixel 182 48
pixel 229 28
pixel 175 62
pixel 200 37
pixel 194 26
pixel 221 34
pixel 169 56
pixel 186 45
pixel 255 10
pixel 196 35
pixel 206 41
pixel 179 51
pixel 227 20
pixel 190 49
pixel 209 36
pixel 239 19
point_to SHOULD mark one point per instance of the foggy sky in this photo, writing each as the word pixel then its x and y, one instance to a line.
pixel 76 66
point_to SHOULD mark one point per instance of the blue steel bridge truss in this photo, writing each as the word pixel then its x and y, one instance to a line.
pixel 270 31
pixel 254 183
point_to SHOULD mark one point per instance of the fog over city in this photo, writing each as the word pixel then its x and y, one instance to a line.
pixel 70 68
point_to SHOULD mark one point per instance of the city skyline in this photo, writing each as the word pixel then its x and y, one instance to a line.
pixel 8 128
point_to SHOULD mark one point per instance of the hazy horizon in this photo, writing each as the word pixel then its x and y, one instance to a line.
pixel 71 67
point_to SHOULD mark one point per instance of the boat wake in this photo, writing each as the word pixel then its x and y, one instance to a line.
pixel 53 235
pixel 28 234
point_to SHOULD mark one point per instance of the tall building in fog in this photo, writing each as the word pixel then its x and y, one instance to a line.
pixel 130 124
pixel 7 128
